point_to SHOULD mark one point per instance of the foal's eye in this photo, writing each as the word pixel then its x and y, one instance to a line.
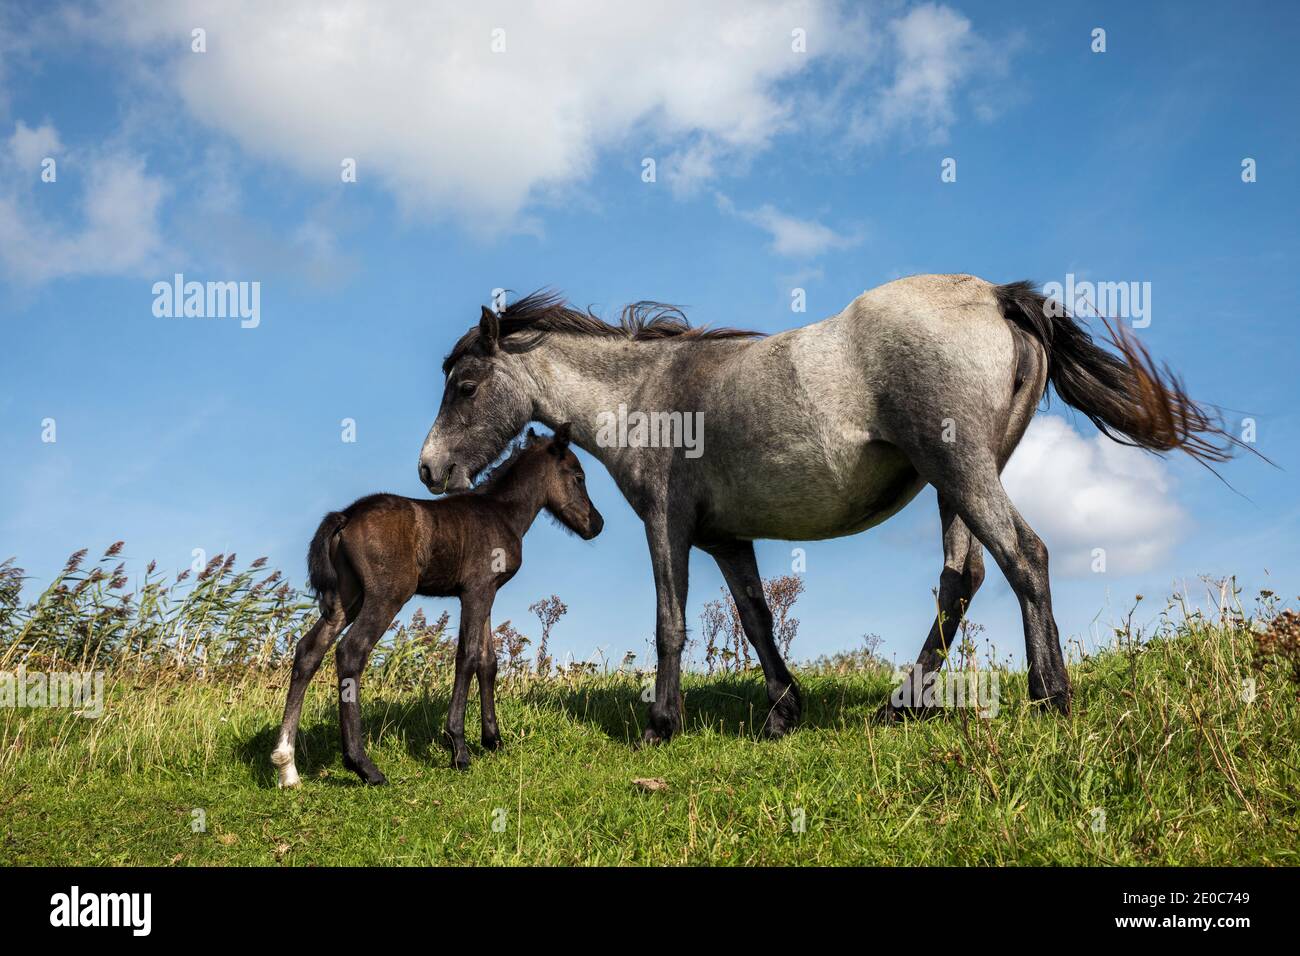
pixel 468 388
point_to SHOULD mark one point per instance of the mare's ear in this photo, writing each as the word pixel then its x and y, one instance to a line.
pixel 489 331
pixel 563 435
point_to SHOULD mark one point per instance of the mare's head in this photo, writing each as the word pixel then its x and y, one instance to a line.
pixel 484 405
pixel 490 395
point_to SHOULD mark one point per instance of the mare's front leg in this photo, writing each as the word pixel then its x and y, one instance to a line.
pixel 487 684
pixel 670 550
pixel 475 608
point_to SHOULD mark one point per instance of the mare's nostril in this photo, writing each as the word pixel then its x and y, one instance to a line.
pixel 425 475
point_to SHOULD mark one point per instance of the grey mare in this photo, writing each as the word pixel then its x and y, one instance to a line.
pixel 816 432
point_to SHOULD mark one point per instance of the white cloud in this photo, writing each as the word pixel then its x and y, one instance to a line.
pixel 935 50
pixel 791 236
pixel 415 93
pixel 689 168
pixel 117 232
pixel 798 238
pixel 1080 494
pixel 29 147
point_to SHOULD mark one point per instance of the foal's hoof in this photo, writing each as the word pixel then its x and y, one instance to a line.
pixel 784 715
pixel 492 743
pixel 286 773
pixel 886 714
pixel 287 778
pixel 367 771
pixel 459 752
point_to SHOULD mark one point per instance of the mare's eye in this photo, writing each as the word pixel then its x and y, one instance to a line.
pixel 468 388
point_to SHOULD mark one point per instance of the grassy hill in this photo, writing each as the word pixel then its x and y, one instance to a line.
pixel 1182 750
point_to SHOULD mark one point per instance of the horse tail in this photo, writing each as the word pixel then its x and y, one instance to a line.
pixel 1127 395
pixel 321 572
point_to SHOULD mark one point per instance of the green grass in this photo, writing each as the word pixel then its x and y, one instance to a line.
pixel 1185 770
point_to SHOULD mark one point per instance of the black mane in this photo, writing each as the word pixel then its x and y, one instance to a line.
pixel 526 321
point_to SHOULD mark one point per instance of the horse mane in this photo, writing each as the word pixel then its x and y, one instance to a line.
pixel 525 322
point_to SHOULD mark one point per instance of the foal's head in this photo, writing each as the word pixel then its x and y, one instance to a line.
pixel 564 484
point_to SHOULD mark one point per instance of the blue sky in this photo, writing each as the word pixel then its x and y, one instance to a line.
pixel 775 170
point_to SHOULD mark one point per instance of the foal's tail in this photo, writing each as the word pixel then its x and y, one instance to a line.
pixel 1127 396
pixel 321 572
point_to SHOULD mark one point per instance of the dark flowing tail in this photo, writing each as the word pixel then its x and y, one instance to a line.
pixel 320 567
pixel 1127 395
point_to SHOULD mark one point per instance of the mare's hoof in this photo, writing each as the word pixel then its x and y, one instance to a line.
pixel 1059 702
pixel 784 715
pixel 492 743
pixel 1052 694
pixel 889 714
pixel 659 732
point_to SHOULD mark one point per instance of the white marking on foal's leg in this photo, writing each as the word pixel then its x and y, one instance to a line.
pixel 282 757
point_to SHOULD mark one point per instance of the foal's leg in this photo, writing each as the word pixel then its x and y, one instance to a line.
pixel 670 550
pixel 307 658
pixel 475 608
pixel 376 614
pixel 740 568
pixel 487 683
pixel 963 573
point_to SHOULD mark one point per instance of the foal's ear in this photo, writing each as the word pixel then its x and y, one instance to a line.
pixel 563 434
pixel 489 330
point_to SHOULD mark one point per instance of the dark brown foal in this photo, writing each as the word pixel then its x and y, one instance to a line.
pixel 367 561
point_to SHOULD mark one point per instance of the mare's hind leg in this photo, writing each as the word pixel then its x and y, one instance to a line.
pixel 740 569
pixel 962 575
pixel 982 503
pixel 307 659
pixel 966 475
pixel 487 683
pixel 354 650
